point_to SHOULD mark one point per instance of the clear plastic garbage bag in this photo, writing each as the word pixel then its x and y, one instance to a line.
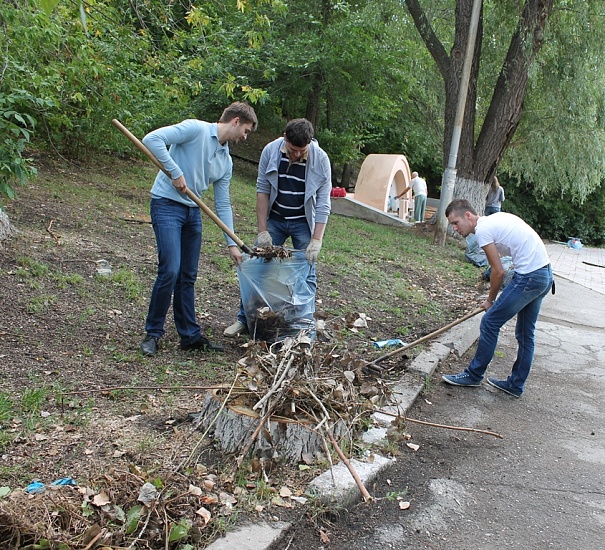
pixel 278 301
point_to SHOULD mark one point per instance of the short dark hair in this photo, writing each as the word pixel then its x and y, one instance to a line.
pixel 240 110
pixel 459 206
pixel 299 132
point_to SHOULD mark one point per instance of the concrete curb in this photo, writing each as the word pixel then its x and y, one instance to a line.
pixel 336 486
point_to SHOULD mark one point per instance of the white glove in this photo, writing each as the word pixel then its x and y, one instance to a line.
pixel 263 240
pixel 313 250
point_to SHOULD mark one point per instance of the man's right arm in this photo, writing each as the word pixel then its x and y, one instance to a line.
pixel 262 211
pixel 496 274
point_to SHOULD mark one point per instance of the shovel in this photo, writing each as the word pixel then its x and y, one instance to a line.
pixel 141 147
pixel 374 367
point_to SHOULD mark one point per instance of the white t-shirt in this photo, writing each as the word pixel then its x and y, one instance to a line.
pixel 418 186
pixel 513 237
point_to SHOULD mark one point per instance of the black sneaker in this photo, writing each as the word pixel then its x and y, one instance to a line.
pixel 149 346
pixel 202 343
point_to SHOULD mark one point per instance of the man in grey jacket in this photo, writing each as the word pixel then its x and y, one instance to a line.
pixel 292 198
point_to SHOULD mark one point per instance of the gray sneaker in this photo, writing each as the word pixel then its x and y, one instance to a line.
pixel 462 379
pixel 235 329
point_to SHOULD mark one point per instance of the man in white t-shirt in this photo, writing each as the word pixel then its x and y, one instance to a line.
pixel 504 234
pixel 420 192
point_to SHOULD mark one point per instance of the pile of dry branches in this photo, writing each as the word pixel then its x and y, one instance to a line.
pixel 285 400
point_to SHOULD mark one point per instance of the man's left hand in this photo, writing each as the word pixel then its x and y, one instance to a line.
pixel 236 255
pixel 313 250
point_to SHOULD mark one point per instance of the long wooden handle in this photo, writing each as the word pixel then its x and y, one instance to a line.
pixel 425 338
pixel 141 147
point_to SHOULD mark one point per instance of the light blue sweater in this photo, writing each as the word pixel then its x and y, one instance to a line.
pixel 191 148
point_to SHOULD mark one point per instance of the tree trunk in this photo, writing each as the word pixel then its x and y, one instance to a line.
pixel 313 104
pixel 477 162
pixel 346 176
pixel 473 191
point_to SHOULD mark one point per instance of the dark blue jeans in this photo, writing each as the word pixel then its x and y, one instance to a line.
pixel 300 234
pixel 489 210
pixel 521 297
pixel 178 234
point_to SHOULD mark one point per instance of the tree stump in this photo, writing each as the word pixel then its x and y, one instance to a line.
pixel 290 440
pixel 6 229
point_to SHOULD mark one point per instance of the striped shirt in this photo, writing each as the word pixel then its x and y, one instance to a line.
pixel 290 201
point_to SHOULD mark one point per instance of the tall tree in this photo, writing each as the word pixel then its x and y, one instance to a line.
pixel 478 158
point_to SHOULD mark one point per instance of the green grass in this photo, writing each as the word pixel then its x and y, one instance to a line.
pixel 131 285
pixel 39 304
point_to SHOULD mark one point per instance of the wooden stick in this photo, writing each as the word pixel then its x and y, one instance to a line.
pixel 275 386
pixel 408 419
pixel 49 231
pixel 94 541
pixel 253 437
pixel 223 405
pixel 372 364
pixel 115 388
pixel 364 492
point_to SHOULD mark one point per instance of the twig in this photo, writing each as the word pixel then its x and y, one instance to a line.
pixel 253 437
pixel 408 419
pixel 167 531
pixel 93 541
pixel 159 388
pixel 275 386
pixel 143 529
pixel 48 229
pixel 318 401
pixel 364 492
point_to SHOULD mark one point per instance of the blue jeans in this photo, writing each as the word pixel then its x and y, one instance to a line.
pixel 178 234
pixel 489 210
pixel 300 234
pixel 522 297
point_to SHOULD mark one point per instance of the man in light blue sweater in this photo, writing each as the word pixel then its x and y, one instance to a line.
pixel 196 154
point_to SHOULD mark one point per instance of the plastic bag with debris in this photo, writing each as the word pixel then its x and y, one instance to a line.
pixel 278 302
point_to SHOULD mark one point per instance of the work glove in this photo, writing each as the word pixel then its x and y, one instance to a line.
pixel 263 240
pixel 313 250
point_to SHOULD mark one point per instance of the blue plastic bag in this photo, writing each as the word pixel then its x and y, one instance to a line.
pixel 278 302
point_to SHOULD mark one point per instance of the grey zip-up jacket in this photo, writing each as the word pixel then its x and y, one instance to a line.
pixel 318 180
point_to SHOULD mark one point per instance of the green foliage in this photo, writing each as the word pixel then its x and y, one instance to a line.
pixel 560 144
pixel 16 127
pixel 556 216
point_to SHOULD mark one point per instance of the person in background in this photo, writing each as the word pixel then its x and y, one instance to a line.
pixel 196 154
pixel 292 199
pixel 495 198
pixel 522 296
pixel 419 192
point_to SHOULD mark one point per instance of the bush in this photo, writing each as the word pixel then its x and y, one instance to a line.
pixel 557 217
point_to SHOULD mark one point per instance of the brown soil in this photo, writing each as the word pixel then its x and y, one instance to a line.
pixel 64 331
